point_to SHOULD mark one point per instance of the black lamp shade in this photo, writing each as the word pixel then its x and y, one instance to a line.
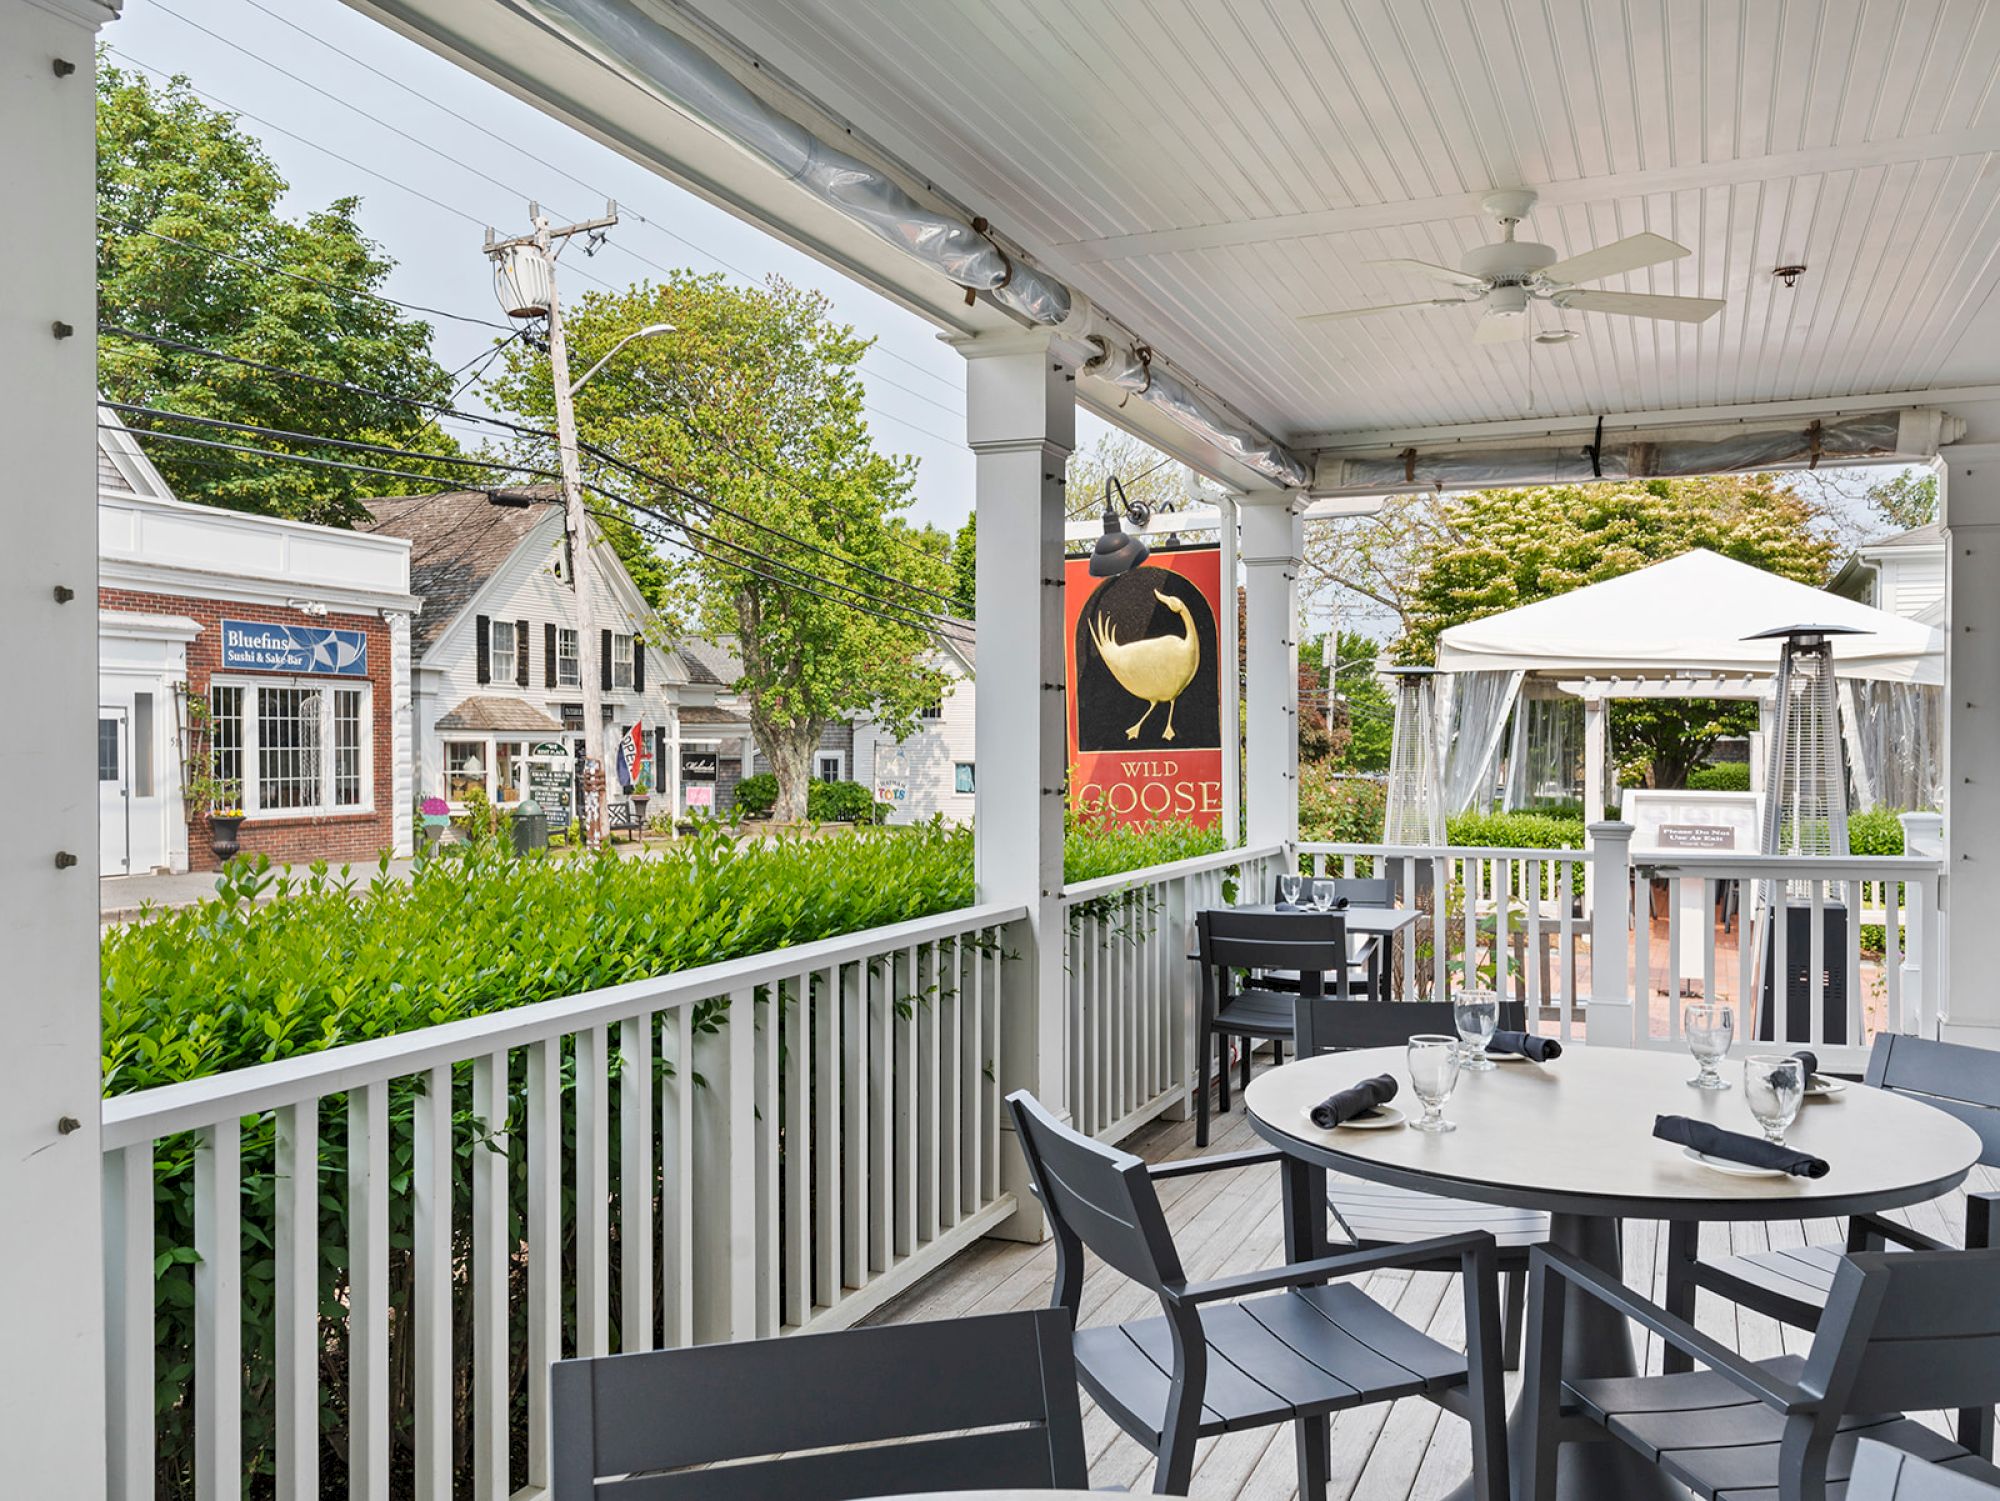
pixel 1117 551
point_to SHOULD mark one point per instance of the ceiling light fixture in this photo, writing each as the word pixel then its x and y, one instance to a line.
pixel 1789 275
pixel 1118 551
pixel 1555 336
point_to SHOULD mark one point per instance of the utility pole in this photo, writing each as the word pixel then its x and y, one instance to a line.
pixel 518 275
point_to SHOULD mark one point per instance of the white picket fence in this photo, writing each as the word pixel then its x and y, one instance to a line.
pixel 1130 990
pixel 799 1136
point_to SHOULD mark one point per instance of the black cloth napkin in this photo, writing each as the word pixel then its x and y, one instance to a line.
pixel 1356 1100
pixel 1339 905
pixel 1527 1044
pixel 1735 1146
pixel 1810 1059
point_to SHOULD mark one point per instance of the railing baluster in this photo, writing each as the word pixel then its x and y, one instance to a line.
pixel 593 1193
pixel 970 1084
pixel 881 1090
pixel 991 1072
pixel 948 971
pixel 295 1291
pixel 129 1285
pixel 635 1183
pixel 828 1117
pixel 1709 891
pixel 1746 952
pixel 430 1314
pixel 1531 878
pixel 1857 1025
pixel 368 1296
pixel 797 1159
pixel 1674 892
pixel 906 1102
pixel 764 1141
pixel 1779 981
pixel 492 1376
pixel 928 1002
pixel 1642 960
pixel 677 1178
pixel 1565 947
pixel 218 1314
pixel 1892 957
pixel 1816 967
pixel 544 1231
pixel 856 1089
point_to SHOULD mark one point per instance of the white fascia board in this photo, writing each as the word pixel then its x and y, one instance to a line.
pixel 196 583
pixel 134 626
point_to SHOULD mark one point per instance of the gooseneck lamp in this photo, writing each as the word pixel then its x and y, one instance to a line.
pixel 1118 551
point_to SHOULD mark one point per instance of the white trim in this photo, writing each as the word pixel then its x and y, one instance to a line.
pixel 132 625
pixel 839 759
pixel 116 443
pixel 194 583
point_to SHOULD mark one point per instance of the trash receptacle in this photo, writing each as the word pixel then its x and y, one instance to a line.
pixel 531 828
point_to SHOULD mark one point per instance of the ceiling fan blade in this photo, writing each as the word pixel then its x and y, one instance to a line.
pixel 1434 271
pixel 1380 307
pixel 1643 305
pixel 1634 253
pixel 1499 328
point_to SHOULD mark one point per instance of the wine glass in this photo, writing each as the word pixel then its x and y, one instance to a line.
pixel 1710 1028
pixel 1322 892
pixel 1288 888
pixel 1475 1013
pixel 1434 1065
pixel 1774 1088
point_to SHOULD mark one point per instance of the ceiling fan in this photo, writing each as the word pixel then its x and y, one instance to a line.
pixel 1511 274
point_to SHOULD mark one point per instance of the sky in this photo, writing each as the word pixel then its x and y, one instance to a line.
pixel 327 91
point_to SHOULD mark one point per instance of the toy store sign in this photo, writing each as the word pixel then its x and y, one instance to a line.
pixel 262 646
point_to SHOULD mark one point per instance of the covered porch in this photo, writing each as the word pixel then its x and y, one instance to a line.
pixel 1134 220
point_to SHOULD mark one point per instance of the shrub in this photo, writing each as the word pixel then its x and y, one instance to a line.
pixel 836 802
pixel 1531 831
pixel 758 795
pixel 1093 848
pixel 1340 809
pixel 1729 776
pixel 1879 831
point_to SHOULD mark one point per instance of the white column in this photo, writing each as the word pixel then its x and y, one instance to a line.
pixel 52 1376
pixel 1923 940
pixel 1610 1017
pixel 1273 552
pixel 1971 509
pixel 1020 406
pixel 402 731
pixel 1593 762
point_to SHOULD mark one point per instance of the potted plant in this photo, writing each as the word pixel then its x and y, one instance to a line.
pixel 224 797
pixel 641 794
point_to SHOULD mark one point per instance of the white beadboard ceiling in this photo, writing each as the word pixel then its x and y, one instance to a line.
pixel 1209 169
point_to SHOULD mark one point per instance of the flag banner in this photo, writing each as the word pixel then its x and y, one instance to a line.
pixel 1144 654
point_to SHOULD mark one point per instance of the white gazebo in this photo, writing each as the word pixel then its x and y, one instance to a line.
pixel 1684 628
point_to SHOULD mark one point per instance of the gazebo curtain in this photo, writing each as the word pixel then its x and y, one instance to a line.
pixel 1895 743
pixel 1471 717
pixel 1545 751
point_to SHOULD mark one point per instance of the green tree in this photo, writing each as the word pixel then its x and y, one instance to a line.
pixel 1497 549
pixel 753 403
pixel 1148 476
pixel 1907 500
pixel 248 282
pixel 1362 704
pixel 965 568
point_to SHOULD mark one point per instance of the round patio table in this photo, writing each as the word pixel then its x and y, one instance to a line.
pixel 1575 1137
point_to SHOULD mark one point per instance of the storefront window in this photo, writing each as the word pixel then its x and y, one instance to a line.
pixel 961 776
pixel 294 748
pixel 464 768
pixel 621 661
pixel 510 771
pixel 500 656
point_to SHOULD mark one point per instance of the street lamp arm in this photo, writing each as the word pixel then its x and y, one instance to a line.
pixel 651 330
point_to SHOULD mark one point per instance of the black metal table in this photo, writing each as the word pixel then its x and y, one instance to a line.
pixel 1575 1138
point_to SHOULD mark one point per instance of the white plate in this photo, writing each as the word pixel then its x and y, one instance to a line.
pixel 1382 1118
pixel 1510 1057
pixel 1736 1169
pixel 1822 1087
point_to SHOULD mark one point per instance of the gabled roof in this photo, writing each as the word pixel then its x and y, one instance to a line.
pixel 458 540
pixel 712 662
pixel 493 714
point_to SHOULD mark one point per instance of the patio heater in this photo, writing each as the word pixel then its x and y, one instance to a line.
pixel 1805 813
pixel 1415 809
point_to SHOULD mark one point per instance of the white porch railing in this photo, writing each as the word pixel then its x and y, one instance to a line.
pixel 1130 992
pixel 774 1144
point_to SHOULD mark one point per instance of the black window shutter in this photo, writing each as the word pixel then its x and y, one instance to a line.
pixel 604 659
pixel 549 655
pixel 638 665
pixel 520 654
pixel 483 632
pixel 659 757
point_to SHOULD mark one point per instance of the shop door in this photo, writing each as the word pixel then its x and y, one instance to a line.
pixel 114 790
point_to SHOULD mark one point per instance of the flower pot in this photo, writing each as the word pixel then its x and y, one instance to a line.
pixel 639 801
pixel 222 831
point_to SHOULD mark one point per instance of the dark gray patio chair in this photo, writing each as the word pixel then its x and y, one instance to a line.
pixel 1792 1285
pixel 1258 1348
pixel 951 1405
pixel 1914 1331
pixel 1367 957
pixel 1379 1214
pixel 1301 946
pixel 1882 1473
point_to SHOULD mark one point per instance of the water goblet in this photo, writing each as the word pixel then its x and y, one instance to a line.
pixel 1433 1061
pixel 1288 888
pixel 1322 894
pixel 1710 1027
pixel 1774 1087
pixel 1475 1013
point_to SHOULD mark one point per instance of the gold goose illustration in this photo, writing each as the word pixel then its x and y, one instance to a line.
pixel 1156 668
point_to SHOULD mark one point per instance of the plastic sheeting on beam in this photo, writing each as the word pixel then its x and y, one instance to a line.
pixel 1630 454
pixel 624 39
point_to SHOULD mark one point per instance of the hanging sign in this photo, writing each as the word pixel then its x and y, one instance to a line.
pixel 1693 823
pixel 892 776
pixel 700 765
pixel 264 646
pixel 1145 689
pixel 552 784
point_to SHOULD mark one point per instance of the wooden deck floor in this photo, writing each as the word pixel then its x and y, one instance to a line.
pixel 1228 1222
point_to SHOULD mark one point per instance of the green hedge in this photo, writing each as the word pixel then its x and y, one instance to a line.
pixel 842 802
pixel 1093 850
pixel 757 795
pixel 1879 831
pixel 1339 809
pixel 1729 776
pixel 1533 831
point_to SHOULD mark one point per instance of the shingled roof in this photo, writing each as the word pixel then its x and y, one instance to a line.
pixel 458 540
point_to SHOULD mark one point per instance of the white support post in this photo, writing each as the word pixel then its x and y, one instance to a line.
pixel 1924 1008
pixel 1611 1018
pixel 1020 405
pixel 1971 511
pixel 1273 553
pixel 52 1378
pixel 1232 678
pixel 1593 762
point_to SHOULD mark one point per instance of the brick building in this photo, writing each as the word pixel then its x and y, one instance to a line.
pixel 279 650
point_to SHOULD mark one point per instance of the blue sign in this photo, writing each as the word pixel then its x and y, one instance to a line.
pixel 266 647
